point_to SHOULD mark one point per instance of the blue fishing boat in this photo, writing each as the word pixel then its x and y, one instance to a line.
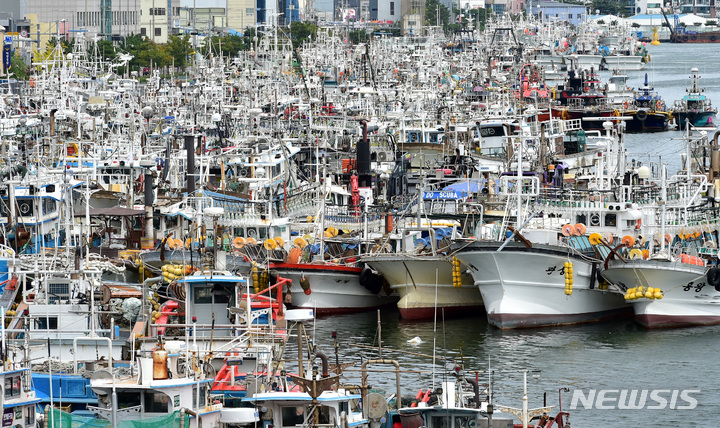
pixel 648 111
pixel 695 107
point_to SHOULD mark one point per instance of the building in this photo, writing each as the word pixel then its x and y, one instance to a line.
pixel 384 10
pixel 341 8
pixel 157 18
pixel 547 11
pixel 242 14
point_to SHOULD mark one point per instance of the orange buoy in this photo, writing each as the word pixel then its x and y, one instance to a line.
pixel 294 255
pixel 568 230
pixel 580 229
pixel 628 240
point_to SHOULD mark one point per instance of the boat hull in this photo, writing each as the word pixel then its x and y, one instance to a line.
pixel 423 292
pixel 525 287
pixel 688 300
pixel 333 289
pixel 696 119
pixel 647 121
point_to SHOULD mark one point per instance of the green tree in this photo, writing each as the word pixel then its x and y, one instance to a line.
pixel 229 45
pixel 178 48
pixel 18 68
pixel 248 36
pixel 67 45
pixel 301 32
pixel 154 56
pixel 357 36
pixel 105 50
pixel 433 8
pixel 610 7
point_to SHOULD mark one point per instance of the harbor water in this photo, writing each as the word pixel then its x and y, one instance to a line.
pixel 620 361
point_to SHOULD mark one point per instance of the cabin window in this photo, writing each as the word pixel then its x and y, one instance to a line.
pixel 25 206
pixel 292 416
pixel 156 402
pixel 610 220
pixel 203 394
pixel 203 295
pixel 29 415
pixel 492 131
pixel 581 218
pixel 12 386
pixel 326 415
pixel 48 205
pixel 441 421
pixel 47 323
pixel 464 421
pixel 128 399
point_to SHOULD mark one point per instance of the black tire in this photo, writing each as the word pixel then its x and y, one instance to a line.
pixel 694 37
pixel 713 278
pixel 641 115
pixel 685 38
pixel 365 276
pixel 713 38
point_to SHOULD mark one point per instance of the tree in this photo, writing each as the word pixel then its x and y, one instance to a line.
pixel 228 45
pixel 433 8
pixel 18 67
pixel 154 56
pixel 300 32
pixel 105 50
pixel 357 36
pixel 178 48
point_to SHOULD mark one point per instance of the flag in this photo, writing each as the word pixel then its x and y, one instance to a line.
pixel 7 52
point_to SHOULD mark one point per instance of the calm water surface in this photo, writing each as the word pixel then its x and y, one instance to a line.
pixel 614 356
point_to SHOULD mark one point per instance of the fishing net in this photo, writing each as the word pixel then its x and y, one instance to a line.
pixel 60 419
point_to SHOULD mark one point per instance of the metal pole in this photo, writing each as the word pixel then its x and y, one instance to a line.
pixel 525 401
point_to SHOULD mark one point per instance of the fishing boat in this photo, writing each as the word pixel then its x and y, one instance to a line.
pixel 675 282
pixel 428 280
pixel 164 387
pixel 550 277
pixel 648 111
pixel 695 108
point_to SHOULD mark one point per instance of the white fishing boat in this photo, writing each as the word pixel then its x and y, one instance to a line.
pixel 550 276
pixel 163 387
pixel 426 278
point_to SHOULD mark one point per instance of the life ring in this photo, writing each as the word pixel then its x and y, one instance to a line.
pixel 713 278
pixel 658 105
pixel 638 224
pixel 595 219
pixel 626 104
pixel 641 115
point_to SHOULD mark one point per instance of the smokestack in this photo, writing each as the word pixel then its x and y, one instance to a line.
pixel 363 158
pixel 52 122
pixel 190 167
